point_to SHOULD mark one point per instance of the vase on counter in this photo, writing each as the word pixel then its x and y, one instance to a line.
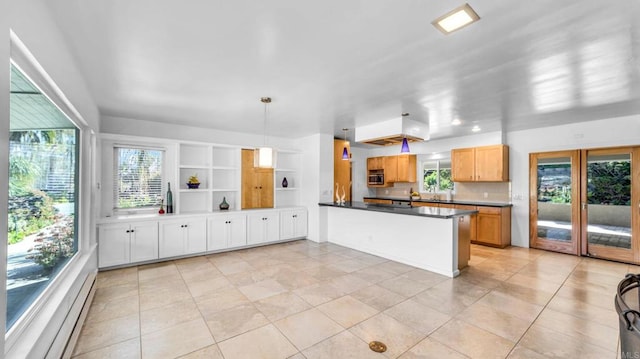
pixel 224 205
pixel 337 193
pixel 161 211
pixel 285 183
pixel 344 194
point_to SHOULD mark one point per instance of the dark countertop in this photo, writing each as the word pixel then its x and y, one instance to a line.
pixel 464 202
pixel 433 212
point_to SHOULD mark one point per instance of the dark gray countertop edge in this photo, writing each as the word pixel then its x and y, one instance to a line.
pixel 463 202
pixel 433 212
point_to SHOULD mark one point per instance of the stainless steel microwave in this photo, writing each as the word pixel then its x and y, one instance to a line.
pixel 376 178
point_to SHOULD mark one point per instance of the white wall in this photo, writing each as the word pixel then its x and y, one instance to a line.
pixel 602 133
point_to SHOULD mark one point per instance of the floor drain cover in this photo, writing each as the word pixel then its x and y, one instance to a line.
pixel 378 347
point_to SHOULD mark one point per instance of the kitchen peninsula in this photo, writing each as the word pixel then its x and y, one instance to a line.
pixel 434 239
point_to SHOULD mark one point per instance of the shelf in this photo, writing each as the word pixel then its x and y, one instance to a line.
pixel 286 170
pixel 227 168
pixel 194 167
pixel 286 189
pixel 224 190
pixel 194 190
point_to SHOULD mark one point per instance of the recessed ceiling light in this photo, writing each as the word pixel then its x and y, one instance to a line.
pixel 476 128
pixel 456 19
pixel 456 122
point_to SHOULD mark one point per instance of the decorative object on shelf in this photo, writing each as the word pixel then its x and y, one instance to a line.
pixel 405 143
pixel 224 205
pixel 169 198
pixel 337 193
pixel 193 182
pixel 345 151
pixel 264 155
pixel 344 194
pixel 161 211
pixel 285 183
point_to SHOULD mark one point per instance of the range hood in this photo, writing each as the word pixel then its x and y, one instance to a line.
pixel 391 132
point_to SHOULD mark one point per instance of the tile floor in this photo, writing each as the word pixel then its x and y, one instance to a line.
pixel 306 300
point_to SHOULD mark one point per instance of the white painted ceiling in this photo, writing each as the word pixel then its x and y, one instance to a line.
pixel 342 63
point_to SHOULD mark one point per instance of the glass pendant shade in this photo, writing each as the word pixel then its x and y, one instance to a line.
pixel 345 153
pixel 264 157
pixel 405 146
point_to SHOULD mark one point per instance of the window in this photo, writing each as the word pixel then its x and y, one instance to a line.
pixel 437 176
pixel 43 194
pixel 137 177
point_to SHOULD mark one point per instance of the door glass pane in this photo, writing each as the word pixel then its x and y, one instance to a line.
pixel 609 200
pixel 554 199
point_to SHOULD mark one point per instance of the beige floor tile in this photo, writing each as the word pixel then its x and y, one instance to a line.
pixel 585 311
pixel 520 352
pixel 511 305
pixel 223 300
pixel 161 283
pixel 127 349
pixel 347 311
pixel 201 274
pixel 246 278
pixel 472 341
pixel 264 342
pixel 324 272
pixel 586 295
pixel 281 305
pixel 320 293
pixel 554 344
pixel 263 289
pixel 210 352
pixel 349 283
pixel 160 298
pixel 431 349
pixel 342 345
pixel 108 332
pixel 194 264
pixel 522 292
pixel 116 308
pixel 378 297
pixel 495 321
pixel 234 267
pixel 304 264
pixel 307 328
pixel 328 258
pixel 371 259
pixel 237 320
pixel 178 340
pixel 373 274
pixel 418 316
pixel 425 277
pixel 293 279
pixel 584 276
pixel 404 286
pixel 395 267
pixel 157 270
pixel 208 286
pixel 397 336
pixel 350 265
pixel 168 316
pixel 115 292
pixel 583 329
pixel 117 277
pixel 451 296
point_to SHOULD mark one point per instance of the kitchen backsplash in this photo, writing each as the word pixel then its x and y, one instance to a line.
pixel 472 191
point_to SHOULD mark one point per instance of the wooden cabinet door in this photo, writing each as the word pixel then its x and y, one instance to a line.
pixel 248 181
pixel 375 163
pixel 264 181
pixel 463 164
pixel 488 228
pixel 492 163
pixel 113 245
pixel 406 165
pixel 472 220
pixel 257 183
pixel 390 164
pixel 144 241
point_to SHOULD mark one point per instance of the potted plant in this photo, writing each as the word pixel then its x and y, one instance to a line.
pixel 193 182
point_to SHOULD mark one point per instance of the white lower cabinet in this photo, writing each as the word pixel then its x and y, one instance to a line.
pixel 126 243
pixel 226 231
pixel 262 227
pixel 180 237
pixel 293 223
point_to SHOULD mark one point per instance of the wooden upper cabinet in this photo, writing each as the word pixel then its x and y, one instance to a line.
pixel 406 168
pixel 480 164
pixel 391 168
pixel 375 163
pixel 257 183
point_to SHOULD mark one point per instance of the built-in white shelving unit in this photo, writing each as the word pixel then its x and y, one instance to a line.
pixel 288 166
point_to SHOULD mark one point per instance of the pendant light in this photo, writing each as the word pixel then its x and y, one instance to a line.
pixel 264 155
pixel 345 151
pixel 405 143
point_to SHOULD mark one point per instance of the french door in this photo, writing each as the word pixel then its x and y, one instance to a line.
pixel 586 202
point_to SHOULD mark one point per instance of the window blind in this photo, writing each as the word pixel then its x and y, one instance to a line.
pixel 137 177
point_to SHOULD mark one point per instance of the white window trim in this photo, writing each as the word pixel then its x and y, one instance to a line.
pixel 421 177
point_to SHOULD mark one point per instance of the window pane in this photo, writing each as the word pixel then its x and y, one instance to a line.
pixel 43 176
pixel 138 178
pixel 445 175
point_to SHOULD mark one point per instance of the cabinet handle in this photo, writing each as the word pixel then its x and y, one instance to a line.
pixel 260 187
pixel 128 231
pixel 132 231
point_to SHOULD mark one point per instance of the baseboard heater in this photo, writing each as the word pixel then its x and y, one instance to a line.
pixel 65 341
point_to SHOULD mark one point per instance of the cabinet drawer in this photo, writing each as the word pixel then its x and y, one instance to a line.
pixel 489 210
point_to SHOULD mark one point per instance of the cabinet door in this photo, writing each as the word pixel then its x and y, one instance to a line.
pixel 144 241
pixel 195 236
pixel 217 233
pixel 492 163
pixel 287 224
pixel 375 163
pixel 113 245
pixel 237 231
pixel 171 239
pixel 263 227
pixel 472 220
pixel 488 228
pixel 264 180
pixel 301 223
pixel 463 164
pixel 406 168
pixel 390 164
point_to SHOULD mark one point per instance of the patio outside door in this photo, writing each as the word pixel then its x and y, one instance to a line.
pixel 610 203
pixel 555 201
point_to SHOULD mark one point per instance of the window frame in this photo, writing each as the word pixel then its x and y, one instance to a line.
pixel 421 173
pixel 163 176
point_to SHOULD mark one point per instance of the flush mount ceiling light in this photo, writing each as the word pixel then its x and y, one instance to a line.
pixel 456 122
pixel 456 19
pixel 264 155
pixel 476 128
pixel 345 151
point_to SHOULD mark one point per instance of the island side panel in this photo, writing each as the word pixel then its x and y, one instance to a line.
pixel 423 242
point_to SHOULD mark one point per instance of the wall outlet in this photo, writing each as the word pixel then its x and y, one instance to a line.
pixel 405 192
pixel 486 195
pixel 386 191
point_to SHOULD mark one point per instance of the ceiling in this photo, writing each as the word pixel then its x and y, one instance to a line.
pixel 334 64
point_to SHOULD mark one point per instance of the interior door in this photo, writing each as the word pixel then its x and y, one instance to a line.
pixel 611 203
pixel 554 201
